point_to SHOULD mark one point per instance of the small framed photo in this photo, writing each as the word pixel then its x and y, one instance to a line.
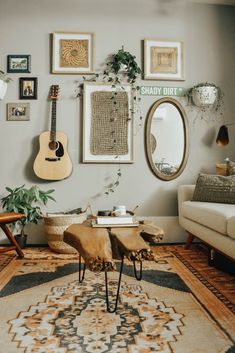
pixel 72 53
pixel 107 124
pixel 163 60
pixel 28 87
pixel 19 63
pixel 18 111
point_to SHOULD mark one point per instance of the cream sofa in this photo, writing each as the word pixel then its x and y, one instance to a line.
pixel 212 223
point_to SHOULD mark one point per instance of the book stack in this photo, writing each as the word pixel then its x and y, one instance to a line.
pixel 119 221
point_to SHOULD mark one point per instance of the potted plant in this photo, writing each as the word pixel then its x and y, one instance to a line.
pixel 3 84
pixel 206 94
pixel 27 201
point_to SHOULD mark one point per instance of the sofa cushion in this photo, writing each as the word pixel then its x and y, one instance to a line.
pixel 211 215
pixel 215 188
pixel 231 168
pixel 231 227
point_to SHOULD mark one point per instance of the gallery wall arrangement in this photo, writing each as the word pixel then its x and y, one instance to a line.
pixel 111 101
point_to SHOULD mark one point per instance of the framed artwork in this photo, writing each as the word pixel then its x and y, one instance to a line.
pixel 72 53
pixel 107 124
pixel 19 63
pixel 18 111
pixel 28 87
pixel 163 60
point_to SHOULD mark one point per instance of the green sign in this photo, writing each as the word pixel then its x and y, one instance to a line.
pixel 161 91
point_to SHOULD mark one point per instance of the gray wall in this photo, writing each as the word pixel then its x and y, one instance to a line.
pixel 208 33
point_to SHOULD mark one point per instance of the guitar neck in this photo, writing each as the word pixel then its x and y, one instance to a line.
pixel 53 121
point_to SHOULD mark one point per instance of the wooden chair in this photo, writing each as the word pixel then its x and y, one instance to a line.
pixel 5 219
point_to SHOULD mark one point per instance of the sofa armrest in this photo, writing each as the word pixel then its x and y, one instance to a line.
pixel 185 193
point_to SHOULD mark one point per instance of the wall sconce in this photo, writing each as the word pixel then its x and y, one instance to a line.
pixel 222 138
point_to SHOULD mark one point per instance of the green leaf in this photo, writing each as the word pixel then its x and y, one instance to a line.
pixel 51 198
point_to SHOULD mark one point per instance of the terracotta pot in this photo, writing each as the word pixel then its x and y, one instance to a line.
pixel 205 95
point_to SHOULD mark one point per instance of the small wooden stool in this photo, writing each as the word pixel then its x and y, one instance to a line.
pixel 6 218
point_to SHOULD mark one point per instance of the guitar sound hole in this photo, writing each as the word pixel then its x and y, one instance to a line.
pixel 53 145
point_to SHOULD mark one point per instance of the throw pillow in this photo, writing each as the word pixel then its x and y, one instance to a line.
pixel 231 168
pixel 215 188
pixel 221 169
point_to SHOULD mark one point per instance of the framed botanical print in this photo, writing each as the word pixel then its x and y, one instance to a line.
pixel 18 111
pixel 72 53
pixel 18 63
pixel 107 124
pixel 163 60
pixel 28 87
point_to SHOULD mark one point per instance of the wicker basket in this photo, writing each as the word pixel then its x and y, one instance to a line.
pixel 55 226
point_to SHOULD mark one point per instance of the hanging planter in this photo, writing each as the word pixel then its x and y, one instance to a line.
pixel 207 100
pixel 205 95
pixel 3 89
pixel 3 84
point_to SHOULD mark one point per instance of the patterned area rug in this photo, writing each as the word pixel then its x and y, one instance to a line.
pixel 44 308
pixel 5 260
pixel 220 283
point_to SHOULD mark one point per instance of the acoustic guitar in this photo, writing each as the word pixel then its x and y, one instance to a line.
pixel 52 161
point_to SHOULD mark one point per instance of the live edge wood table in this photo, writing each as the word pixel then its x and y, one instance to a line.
pixel 99 247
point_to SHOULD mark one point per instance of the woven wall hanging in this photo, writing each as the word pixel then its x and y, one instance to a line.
pixel 109 123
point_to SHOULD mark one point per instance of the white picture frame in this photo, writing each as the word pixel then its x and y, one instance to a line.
pixel 88 156
pixel 164 60
pixel 73 53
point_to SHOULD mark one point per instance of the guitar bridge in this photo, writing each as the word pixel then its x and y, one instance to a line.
pixel 52 159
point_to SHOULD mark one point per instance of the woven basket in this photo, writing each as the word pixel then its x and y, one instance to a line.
pixel 55 226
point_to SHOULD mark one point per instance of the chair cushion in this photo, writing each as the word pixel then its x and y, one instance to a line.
pixel 211 215
pixel 215 188
pixel 231 227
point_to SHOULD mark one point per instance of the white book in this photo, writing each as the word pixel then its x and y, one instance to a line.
pixel 115 220
pixel 95 225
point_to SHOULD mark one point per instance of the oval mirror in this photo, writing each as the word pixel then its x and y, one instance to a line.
pixel 166 138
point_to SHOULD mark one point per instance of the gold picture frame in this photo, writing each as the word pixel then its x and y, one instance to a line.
pixel 72 53
pixel 163 60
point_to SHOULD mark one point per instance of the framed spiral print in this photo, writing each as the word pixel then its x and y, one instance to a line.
pixel 72 53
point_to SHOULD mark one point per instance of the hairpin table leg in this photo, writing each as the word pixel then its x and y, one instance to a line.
pixel 118 289
pixel 138 276
pixel 81 277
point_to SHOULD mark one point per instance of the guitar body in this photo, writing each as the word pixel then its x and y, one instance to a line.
pixel 52 161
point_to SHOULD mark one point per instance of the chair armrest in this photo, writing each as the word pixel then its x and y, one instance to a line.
pixel 185 193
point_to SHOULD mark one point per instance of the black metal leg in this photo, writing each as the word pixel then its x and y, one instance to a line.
pixel 81 277
pixel 138 276
pixel 118 290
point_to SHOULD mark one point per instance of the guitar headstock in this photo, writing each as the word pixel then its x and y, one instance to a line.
pixel 54 92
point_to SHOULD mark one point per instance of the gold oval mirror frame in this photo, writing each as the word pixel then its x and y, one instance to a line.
pixel 166 134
